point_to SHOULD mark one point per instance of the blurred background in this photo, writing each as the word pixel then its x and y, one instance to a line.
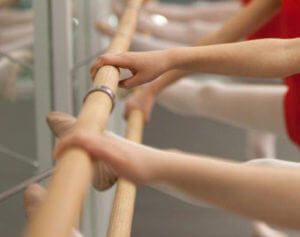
pixel 46 49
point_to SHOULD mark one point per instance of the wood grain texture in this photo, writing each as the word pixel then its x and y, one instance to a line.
pixel 123 207
pixel 74 171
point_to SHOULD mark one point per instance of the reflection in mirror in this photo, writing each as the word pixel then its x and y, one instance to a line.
pixel 18 160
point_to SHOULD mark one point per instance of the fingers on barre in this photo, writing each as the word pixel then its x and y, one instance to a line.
pixel 120 61
pixel 99 147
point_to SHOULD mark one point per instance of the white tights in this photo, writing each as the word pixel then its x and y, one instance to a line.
pixel 257 107
pixel 261 229
pixel 184 32
pixel 10 71
pixel 218 11
pixel 141 42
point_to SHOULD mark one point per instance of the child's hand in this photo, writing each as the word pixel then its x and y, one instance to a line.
pixel 143 101
pixel 144 66
pixel 129 160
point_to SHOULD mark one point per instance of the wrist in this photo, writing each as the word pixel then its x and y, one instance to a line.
pixel 151 90
pixel 172 58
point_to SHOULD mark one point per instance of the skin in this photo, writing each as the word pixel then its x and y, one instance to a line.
pixel 258 58
pixel 247 20
pixel 267 58
pixel 176 60
pixel 62 124
pixel 226 184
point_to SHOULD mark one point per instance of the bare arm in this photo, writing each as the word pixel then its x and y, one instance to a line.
pixel 247 20
pixel 268 194
pixel 257 58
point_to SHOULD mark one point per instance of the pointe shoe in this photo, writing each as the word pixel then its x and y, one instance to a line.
pixel 10 72
pixel 260 229
pixel 106 28
pixel 62 124
pixel 33 197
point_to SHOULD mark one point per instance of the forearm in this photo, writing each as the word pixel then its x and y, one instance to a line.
pixel 243 23
pixel 246 21
pixel 271 195
pixel 259 58
pixel 267 194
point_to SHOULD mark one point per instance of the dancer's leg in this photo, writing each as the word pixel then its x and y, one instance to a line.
pixel 140 42
pixel 187 32
pixel 275 163
pixel 261 229
pixel 219 11
pixel 10 71
pixel 21 43
pixel 61 124
pixel 257 107
pixel 184 32
pixel 260 144
pixel 10 17
pixel 12 34
pixel 33 197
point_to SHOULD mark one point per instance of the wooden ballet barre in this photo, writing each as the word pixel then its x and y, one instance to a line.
pixel 123 207
pixel 74 170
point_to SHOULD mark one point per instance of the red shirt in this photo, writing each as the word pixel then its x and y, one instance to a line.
pixel 291 29
pixel 269 30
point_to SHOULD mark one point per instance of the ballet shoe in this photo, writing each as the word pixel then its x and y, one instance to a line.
pixel 10 72
pixel 62 124
pixel 106 28
pixel 33 197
